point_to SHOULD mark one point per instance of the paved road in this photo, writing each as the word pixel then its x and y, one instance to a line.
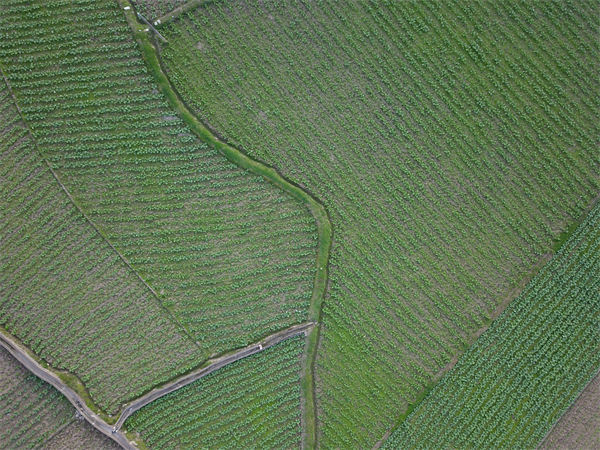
pixel 213 365
pixel 32 365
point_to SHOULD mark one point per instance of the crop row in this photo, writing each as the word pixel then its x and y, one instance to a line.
pixel 252 403
pixel 452 142
pixel 521 375
pixel 229 254
pixel 66 294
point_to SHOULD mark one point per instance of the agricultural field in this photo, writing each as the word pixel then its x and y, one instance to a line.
pixel 35 415
pixel 579 427
pixel 299 224
pixel 452 143
pixel 228 253
pixel 64 291
pixel 79 435
pixel 251 403
pixel 518 378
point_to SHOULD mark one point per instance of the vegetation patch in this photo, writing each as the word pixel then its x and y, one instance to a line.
pixel 229 254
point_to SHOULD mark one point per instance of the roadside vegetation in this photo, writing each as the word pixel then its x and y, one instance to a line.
pixel 66 294
pixel 515 382
pixel 35 415
pixel 228 253
pixel 452 143
pixel 251 403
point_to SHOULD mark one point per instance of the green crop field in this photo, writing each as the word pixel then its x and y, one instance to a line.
pixel 35 415
pixel 300 223
pixel 66 294
pixel 230 254
pixel 252 403
pixel 451 142
pixel 520 376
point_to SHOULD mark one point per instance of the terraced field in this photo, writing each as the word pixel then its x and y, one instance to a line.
pixel 229 254
pixel 65 292
pixel 452 144
pixel 519 377
pixel 34 414
pixel 252 403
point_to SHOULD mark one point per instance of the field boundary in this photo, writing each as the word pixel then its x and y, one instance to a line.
pixel 151 56
pixel 211 366
pixel 42 370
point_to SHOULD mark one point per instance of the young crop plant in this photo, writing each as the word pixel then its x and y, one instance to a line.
pixel 228 253
pixel 451 142
pixel 66 294
pixel 252 403
pixel 518 378
pixel 35 415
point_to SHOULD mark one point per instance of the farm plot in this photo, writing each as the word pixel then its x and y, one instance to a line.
pixel 35 415
pixel 80 435
pixel 451 142
pixel 230 254
pixel 32 410
pixel 252 403
pixel 66 294
pixel 579 427
pixel 519 377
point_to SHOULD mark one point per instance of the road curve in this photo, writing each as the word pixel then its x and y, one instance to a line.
pixel 213 364
pixel 33 366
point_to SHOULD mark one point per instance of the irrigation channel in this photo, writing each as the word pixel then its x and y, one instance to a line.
pixel 113 431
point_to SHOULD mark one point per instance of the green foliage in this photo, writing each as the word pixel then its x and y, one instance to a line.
pixel 452 142
pixel 252 403
pixel 519 377
pixel 229 253
pixel 66 294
